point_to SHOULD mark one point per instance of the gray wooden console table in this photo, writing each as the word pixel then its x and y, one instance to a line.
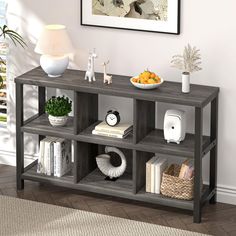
pixel 139 147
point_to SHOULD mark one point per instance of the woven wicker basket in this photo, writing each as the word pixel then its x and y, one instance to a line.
pixel 174 187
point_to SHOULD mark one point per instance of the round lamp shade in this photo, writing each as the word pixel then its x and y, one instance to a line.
pixel 54 41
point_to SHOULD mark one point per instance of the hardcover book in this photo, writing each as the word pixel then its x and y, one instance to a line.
pixel 111 135
pixel 47 153
pixel 160 166
pixel 187 170
pixel 51 159
pixel 41 157
pixel 42 161
pixel 149 174
pixel 62 157
pixel 121 128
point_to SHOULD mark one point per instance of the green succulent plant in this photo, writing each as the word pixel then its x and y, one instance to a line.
pixel 58 106
pixel 5 32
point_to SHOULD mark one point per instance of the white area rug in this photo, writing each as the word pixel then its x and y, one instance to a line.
pixel 22 217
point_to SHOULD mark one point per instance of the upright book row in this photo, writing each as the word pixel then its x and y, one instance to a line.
pixel 154 170
pixel 54 157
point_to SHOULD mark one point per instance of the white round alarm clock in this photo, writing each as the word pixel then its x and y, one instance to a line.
pixel 112 118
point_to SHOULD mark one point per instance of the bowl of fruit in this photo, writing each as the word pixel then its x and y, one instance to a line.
pixel 147 80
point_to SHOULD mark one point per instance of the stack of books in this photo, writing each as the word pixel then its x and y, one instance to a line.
pixel 154 170
pixel 122 130
pixel 54 157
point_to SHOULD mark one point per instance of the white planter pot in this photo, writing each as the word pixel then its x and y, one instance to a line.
pixel 185 82
pixel 58 121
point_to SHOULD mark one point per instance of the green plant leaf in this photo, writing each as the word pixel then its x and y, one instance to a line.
pixel 58 106
pixel 13 35
pixel 1 82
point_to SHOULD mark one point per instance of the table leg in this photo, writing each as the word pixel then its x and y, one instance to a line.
pixel 213 154
pixel 198 164
pixel 19 136
pixel 41 104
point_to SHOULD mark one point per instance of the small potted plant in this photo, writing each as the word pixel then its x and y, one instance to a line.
pixel 58 109
pixel 189 62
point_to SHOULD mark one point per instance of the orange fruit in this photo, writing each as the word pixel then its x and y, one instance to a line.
pixel 151 81
pixel 145 75
pixel 143 80
pixel 153 75
pixel 158 79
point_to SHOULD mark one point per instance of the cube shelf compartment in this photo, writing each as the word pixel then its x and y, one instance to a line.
pixel 139 147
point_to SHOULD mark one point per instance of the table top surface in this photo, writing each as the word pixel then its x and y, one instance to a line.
pixel 169 92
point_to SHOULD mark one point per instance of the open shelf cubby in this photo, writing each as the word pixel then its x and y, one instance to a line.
pixel 139 147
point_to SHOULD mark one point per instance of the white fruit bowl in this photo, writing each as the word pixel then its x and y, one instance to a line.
pixel 146 86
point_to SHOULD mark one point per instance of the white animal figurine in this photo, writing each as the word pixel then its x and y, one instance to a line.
pixel 106 78
pixel 90 75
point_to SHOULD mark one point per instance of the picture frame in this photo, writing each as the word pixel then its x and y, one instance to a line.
pixel 163 18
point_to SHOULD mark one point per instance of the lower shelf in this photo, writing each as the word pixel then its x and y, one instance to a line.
pixel 123 188
pixel 97 180
pixel 162 200
pixel 31 174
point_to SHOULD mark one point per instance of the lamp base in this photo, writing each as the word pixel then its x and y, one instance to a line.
pixel 54 66
pixel 53 76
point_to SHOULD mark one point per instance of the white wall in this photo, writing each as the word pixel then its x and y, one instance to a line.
pixel 209 25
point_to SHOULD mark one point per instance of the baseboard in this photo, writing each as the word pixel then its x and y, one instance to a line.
pixel 225 194
pixel 9 158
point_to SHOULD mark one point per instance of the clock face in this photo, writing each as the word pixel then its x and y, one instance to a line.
pixel 111 119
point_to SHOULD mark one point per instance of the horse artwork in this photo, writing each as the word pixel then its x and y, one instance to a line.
pixel 106 78
pixel 90 74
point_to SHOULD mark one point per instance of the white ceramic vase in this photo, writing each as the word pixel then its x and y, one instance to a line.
pixel 58 121
pixel 54 66
pixel 185 82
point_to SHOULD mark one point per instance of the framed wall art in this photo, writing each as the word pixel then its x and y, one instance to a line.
pixel 162 16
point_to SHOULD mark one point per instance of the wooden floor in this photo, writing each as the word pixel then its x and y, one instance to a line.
pixel 219 219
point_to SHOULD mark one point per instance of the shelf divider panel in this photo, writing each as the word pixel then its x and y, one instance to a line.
pixel 144 118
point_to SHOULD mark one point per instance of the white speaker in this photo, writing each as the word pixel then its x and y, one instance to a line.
pixel 174 126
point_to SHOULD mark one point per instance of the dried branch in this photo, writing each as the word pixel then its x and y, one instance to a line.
pixel 189 62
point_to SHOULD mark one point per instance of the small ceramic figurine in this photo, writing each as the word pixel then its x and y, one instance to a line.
pixel 90 75
pixel 105 166
pixel 106 78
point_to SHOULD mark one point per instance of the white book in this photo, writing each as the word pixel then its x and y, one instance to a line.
pixel 52 141
pixel 153 174
pixel 121 128
pixel 57 151
pixel 111 135
pixel 47 157
pixel 149 174
pixel 41 157
pixel 55 157
pixel 62 157
pixel 160 166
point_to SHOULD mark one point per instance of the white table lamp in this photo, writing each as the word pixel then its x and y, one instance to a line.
pixel 55 46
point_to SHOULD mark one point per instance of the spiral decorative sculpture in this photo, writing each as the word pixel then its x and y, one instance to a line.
pixel 105 166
